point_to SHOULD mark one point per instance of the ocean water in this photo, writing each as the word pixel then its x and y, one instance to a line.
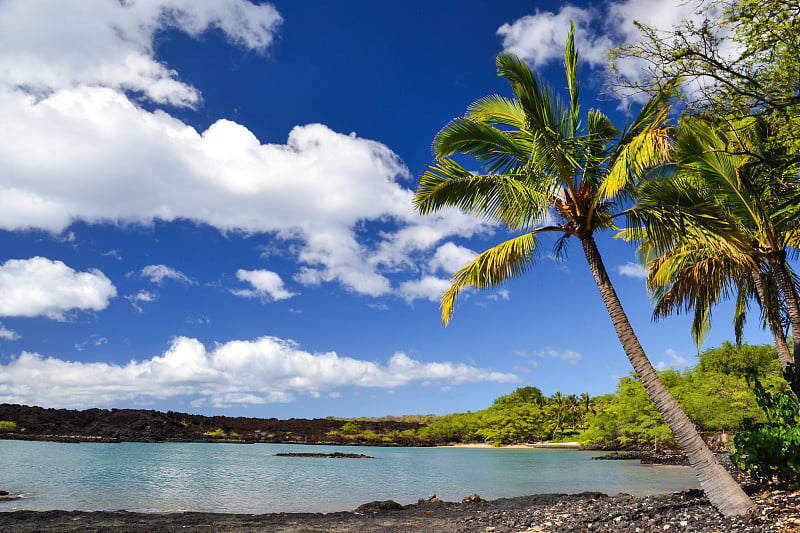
pixel 239 478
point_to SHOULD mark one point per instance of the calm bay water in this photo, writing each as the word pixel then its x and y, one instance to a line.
pixel 250 479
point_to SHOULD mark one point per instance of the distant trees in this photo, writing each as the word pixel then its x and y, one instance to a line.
pixel 716 394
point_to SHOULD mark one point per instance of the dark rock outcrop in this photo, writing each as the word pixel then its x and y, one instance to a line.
pixel 141 425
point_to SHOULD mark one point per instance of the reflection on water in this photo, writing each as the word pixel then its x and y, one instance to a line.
pixel 250 479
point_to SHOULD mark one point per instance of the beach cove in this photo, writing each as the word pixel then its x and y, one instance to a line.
pixel 234 478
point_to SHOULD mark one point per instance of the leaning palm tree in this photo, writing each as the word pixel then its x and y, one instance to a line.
pixel 547 174
pixel 718 225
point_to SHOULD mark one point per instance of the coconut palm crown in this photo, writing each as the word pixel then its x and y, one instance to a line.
pixel 547 173
pixel 716 224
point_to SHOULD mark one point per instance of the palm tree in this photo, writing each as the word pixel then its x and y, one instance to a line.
pixel 694 278
pixel 718 225
pixel 587 407
pixel 547 174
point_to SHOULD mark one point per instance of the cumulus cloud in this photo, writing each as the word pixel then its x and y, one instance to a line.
pixel 265 284
pixel 43 287
pixel 539 38
pixel 74 79
pixel 267 369
pixel 8 334
pixel 632 270
pixel 428 288
pixel 55 44
pixel 158 273
pixel 451 257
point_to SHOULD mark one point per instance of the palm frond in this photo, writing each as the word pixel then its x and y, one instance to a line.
pixel 499 151
pixel 509 199
pixel 571 67
pixel 648 148
pixel 509 259
pixel 495 109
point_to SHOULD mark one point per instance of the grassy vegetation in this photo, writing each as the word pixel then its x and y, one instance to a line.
pixel 8 425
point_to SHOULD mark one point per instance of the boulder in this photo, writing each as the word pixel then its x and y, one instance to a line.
pixel 376 506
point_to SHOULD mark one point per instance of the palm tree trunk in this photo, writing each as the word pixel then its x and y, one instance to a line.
pixel 720 488
pixel 786 285
pixel 777 332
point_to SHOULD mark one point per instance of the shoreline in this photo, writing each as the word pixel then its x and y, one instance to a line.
pixel 775 511
pixel 519 446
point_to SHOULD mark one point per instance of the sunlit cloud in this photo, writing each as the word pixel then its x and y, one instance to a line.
pixel 43 287
pixel 264 370
pixel 632 270
pixel 264 284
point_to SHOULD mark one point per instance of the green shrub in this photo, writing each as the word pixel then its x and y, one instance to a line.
pixel 217 433
pixel 7 425
pixel 771 449
pixel 351 428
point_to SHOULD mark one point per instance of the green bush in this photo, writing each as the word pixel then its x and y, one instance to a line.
pixel 217 433
pixel 7 425
pixel 351 428
pixel 771 449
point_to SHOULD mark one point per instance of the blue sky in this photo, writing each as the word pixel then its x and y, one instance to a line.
pixel 207 208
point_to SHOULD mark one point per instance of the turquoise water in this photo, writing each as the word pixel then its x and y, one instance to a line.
pixel 238 478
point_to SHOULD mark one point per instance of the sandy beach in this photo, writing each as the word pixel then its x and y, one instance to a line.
pixel 544 444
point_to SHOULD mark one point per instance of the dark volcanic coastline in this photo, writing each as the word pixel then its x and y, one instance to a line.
pixel 688 511
pixel 140 425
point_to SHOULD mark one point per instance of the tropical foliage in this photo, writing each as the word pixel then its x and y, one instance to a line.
pixel 716 395
pixel 771 449
pixel 718 225
pixel 544 172
pixel 743 56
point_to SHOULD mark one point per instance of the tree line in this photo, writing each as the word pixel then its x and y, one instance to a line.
pixel 717 395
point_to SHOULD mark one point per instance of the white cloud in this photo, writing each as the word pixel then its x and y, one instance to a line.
pixel 632 270
pixel 500 294
pixel 428 288
pixel 539 38
pixel 43 287
pixel 450 258
pixel 8 334
pixel 158 273
pixel 570 356
pixel 675 361
pixel 54 44
pixel 94 340
pixel 267 369
pixel 266 285
pixel 77 145
pixel 141 297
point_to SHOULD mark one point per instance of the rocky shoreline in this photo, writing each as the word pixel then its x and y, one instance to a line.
pixel 775 511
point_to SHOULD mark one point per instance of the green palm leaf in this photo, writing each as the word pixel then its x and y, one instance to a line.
pixel 509 259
